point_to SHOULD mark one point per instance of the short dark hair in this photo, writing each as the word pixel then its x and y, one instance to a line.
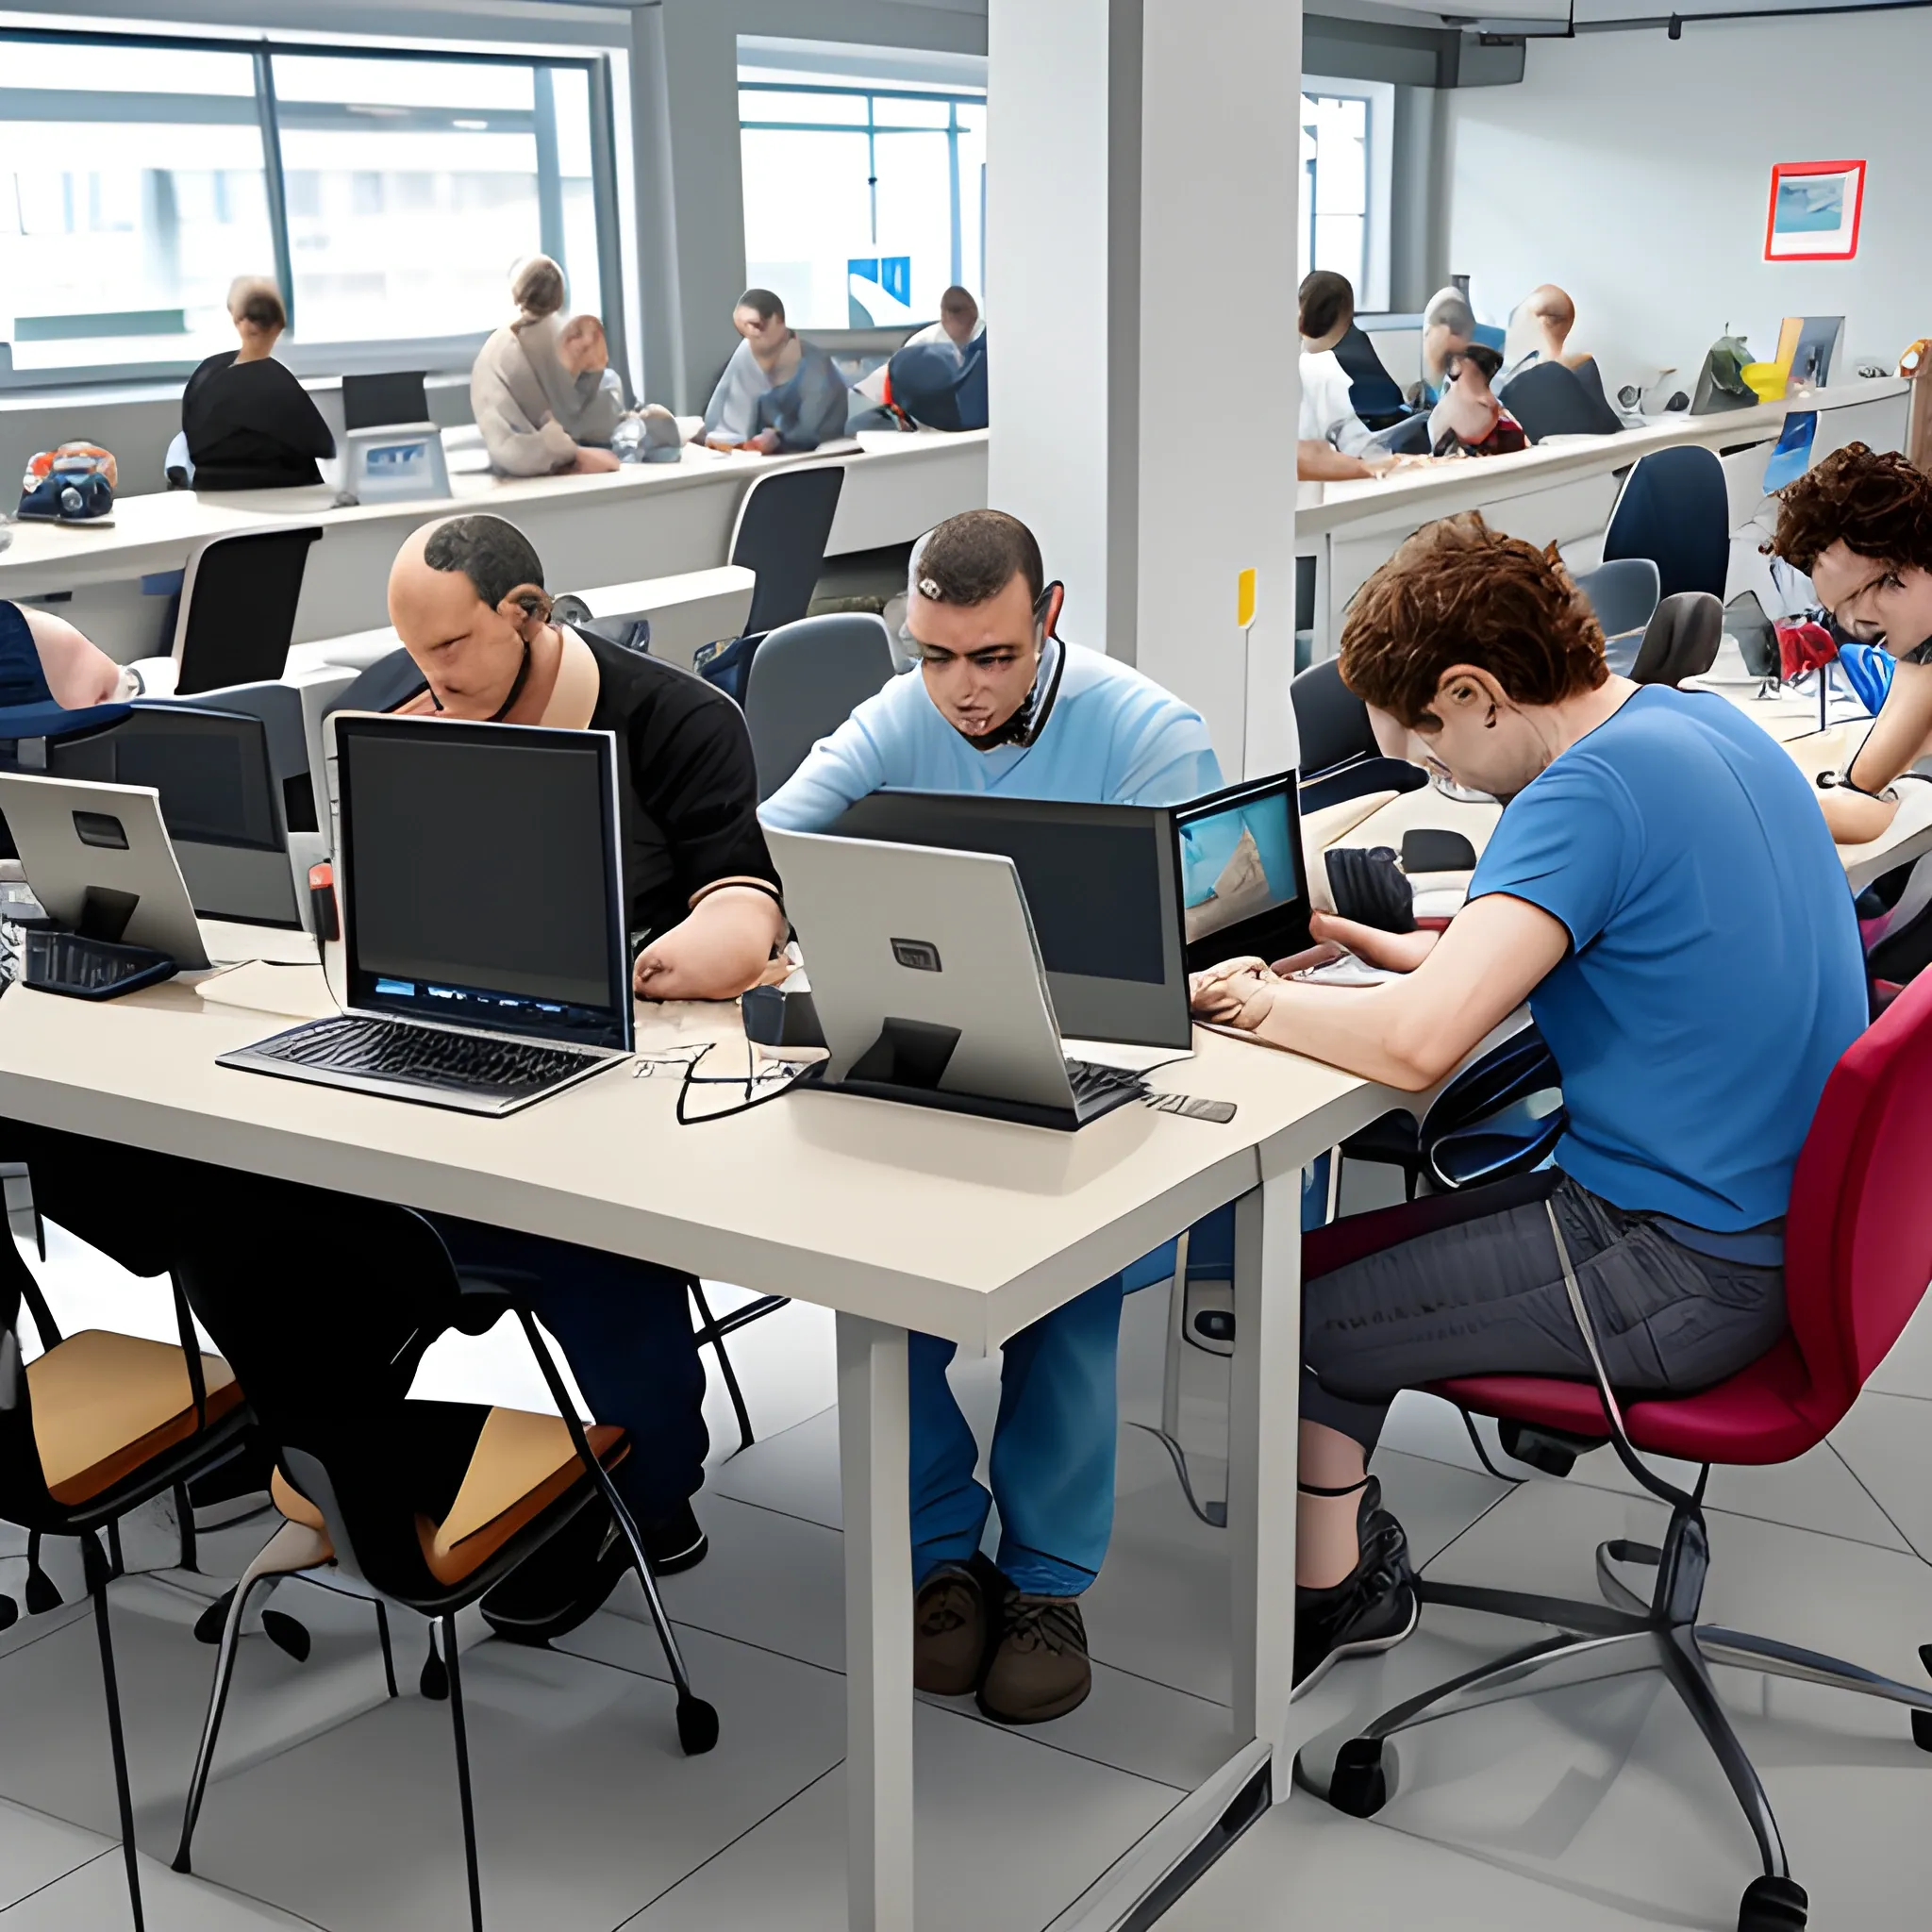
pixel 493 554
pixel 1325 299
pixel 1460 592
pixel 1877 505
pixel 1451 309
pixel 956 297
pixel 1485 358
pixel 764 302
pixel 972 558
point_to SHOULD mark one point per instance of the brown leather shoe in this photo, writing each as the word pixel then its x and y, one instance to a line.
pixel 1040 1670
pixel 956 1607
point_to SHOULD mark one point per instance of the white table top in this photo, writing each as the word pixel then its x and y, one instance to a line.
pixel 957 1227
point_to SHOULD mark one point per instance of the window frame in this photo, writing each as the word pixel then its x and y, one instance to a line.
pixel 1378 142
pixel 871 128
pixel 441 353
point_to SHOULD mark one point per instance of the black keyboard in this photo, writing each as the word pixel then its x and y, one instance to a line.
pixel 429 1057
pixel 1098 1089
pixel 63 962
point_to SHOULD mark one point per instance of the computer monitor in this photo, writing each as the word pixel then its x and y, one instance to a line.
pixel 1243 882
pixel 1101 885
pixel 482 876
pixel 380 402
pixel 217 790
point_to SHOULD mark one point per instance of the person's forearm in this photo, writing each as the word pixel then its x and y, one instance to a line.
pixel 1318 462
pixel 721 949
pixel 1854 819
pixel 1359 1029
pixel 1900 737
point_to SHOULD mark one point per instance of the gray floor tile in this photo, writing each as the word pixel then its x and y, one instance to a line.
pixel 94 1899
pixel 35 1849
pixel 1887 1443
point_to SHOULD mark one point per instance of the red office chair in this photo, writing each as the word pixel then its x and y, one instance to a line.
pixel 1858 1257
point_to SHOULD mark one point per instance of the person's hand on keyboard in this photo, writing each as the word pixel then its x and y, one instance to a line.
pixel 1237 992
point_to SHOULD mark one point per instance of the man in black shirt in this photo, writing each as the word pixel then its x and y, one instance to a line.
pixel 467 599
pixel 249 423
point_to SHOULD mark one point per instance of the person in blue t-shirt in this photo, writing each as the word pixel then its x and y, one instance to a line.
pixel 999 704
pixel 1663 892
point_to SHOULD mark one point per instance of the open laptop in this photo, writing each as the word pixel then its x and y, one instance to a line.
pixel 928 983
pixel 101 863
pixel 483 923
pixel 1243 881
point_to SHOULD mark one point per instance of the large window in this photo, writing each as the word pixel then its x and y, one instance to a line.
pixel 389 195
pixel 1346 165
pixel 861 203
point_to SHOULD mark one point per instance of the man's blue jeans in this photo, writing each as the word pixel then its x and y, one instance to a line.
pixel 1053 1451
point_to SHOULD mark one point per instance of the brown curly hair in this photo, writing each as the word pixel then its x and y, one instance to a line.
pixel 1876 505
pixel 1460 592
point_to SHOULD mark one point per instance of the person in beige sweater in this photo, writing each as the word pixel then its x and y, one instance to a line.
pixel 542 390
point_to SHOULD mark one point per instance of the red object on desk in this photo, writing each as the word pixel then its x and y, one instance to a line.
pixel 1803 647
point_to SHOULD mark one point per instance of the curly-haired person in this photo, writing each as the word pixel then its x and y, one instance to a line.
pixel 1860 525
pixel 1658 852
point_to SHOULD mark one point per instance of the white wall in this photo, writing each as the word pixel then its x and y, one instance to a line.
pixel 1636 172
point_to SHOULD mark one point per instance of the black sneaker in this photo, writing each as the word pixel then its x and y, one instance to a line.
pixel 677 1544
pixel 1372 1609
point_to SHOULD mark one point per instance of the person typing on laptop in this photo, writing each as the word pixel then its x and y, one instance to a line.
pixel 999 704
pixel 466 596
pixel 1658 850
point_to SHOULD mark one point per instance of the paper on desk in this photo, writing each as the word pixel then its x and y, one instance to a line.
pixel 230 943
pixel 264 988
pixel 1129 1059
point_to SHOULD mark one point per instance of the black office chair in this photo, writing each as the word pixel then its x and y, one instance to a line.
pixel 784 524
pixel 1372 390
pixel 1549 400
pixel 1592 377
pixel 1624 594
pixel 422 1504
pixel 1681 641
pixel 1339 757
pixel 1675 509
pixel 1409 438
pixel 805 680
pixel 238 607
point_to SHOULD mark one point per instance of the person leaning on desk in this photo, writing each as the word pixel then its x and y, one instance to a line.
pixel 1656 850
pixel 778 393
pixel 1333 438
pixel 1859 525
pixel 249 423
pixel 467 599
pixel 1000 705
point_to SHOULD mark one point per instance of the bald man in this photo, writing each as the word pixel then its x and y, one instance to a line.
pixel 1549 315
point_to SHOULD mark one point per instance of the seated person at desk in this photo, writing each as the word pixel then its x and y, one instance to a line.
pixel 1333 437
pixel 1657 848
pixel 542 390
pixel 1539 330
pixel 1468 421
pixel 249 423
pixel 467 599
pixel 778 391
pixel 1449 327
pixel 43 658
pixel 1860 525
pixel 999 704
pixel 959 323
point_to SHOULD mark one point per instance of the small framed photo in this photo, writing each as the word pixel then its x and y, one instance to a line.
pixel 1815 206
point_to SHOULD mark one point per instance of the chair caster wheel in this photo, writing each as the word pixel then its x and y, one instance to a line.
pixel 1922 1729
pixel 434 1683
pixel 41 1595
pixel 1357 1785
pixel 209 1624
pixel 9 1611
pixel 697 1725
pixel 287 1635
pixel 1772 1904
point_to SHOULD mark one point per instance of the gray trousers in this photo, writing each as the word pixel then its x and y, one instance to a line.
pixel 1469 1284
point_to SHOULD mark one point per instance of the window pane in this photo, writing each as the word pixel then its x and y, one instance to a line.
pixel 800 104
pixel 902 112
pixel 131 194
pixel 571 89
pixel 412 190
pixel 808 211
pixel 915 221
pixel 973 197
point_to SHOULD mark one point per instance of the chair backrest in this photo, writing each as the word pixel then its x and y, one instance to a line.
pixel 1331 723
pixel 1407 439
pixel 1372 390
pixel 1674 510
pixel 1624 594
pixel 806 681
pixel 1592 377
pixel 1681 640
pixel 238 607
pixel 1858 1235
pixel 783 527
pixel 1548 400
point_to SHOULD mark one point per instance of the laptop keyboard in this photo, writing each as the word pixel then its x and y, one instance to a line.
pixel 429 1057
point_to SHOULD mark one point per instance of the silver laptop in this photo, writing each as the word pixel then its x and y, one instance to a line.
pixel 928 983
pixel 480 873
pixel 98 856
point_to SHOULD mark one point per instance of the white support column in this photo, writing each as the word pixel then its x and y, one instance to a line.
pixel 874 1475
pixel 1142 183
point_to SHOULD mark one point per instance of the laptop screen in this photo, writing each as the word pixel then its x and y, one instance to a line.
pixel 380 402
pixel 482 883
pixel 1244 888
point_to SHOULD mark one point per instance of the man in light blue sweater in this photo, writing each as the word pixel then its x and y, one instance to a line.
pixel 999 704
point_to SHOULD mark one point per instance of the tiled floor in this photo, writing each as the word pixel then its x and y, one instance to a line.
pixel 335 1807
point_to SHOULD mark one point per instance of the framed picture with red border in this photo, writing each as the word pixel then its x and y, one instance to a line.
pixel 1815 209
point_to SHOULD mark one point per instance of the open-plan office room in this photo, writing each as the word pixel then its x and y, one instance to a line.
pixel 807 1129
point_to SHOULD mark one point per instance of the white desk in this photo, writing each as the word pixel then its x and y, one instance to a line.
pixel 1558 492
pixel 646 519
pixel 895 1217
